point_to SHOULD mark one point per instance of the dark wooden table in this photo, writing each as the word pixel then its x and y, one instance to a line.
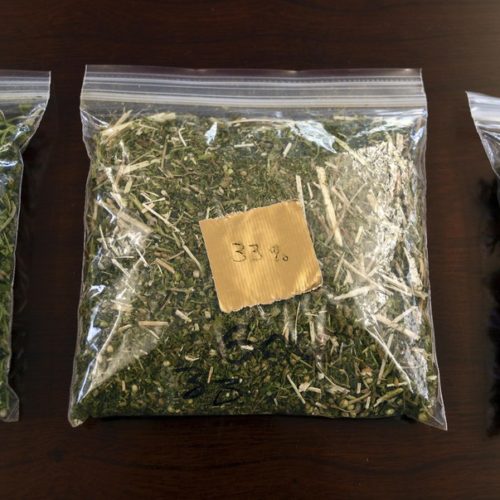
pixel 457 45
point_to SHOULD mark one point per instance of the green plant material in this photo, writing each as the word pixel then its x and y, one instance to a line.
pixel 14 133
pixel 153 340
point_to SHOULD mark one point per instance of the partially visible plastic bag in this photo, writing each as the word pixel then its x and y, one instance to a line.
pixel 255 244
pixel 485 111
pixel 23 98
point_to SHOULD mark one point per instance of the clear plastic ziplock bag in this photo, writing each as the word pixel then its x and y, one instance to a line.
pixel 255 244
pixel 485 111
pixel 23 98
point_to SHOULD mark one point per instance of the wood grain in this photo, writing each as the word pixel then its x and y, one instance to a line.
pixel 456 42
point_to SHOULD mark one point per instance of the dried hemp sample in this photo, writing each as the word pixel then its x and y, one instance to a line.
pixel 23 97
pixel 153 340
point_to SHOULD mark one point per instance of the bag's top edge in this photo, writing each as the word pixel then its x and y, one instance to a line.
pixel 484 108
pixel 24 73
pixel 95 71
pixel 24 85
pixel 255 88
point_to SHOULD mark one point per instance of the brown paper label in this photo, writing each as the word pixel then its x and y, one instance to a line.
pixel 261 256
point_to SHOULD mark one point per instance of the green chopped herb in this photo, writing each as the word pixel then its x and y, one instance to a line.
pixel 152 339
